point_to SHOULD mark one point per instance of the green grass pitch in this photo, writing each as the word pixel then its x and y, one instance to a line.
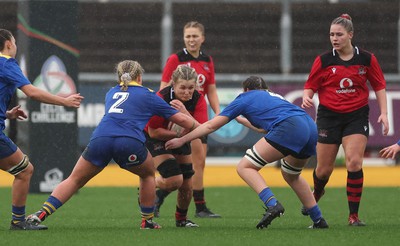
pixel 110 216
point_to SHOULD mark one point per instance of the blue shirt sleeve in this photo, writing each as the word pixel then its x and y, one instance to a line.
pixel 234 109
pixel 14 73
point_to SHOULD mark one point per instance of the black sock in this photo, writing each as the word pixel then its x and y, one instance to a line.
pixel 161 195
pixel 319 186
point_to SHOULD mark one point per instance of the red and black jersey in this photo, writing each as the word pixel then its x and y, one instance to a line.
pixel 196 106
pixel 342 85
pixel 203 65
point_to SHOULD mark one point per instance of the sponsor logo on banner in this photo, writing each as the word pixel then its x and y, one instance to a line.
pixel 55 80
pixel 51 179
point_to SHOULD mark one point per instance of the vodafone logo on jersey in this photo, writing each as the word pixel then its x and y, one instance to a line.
pixel 346 85
pixel 201 80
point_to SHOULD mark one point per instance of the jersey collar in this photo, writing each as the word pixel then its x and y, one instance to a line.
pixel 356 51
pixel 6 56
pixel 132 83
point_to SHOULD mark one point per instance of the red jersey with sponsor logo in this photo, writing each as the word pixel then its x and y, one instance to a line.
pixel 342 85
pixel 203 65
pixel 197 107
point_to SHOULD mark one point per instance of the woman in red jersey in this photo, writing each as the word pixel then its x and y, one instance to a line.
pixel 175 166
pixel 340 78
pixel 193 56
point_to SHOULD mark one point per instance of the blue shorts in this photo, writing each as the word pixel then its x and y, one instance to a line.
pixel 125 151
pixel 7 146
pixel 296 136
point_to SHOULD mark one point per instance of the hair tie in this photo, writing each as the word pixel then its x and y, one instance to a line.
pixel 346 16
pixel 126 77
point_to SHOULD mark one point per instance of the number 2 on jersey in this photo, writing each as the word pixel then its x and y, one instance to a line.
pixel 122 97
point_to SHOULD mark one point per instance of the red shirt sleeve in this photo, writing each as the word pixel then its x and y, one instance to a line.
pixel 200 111
pixel 170 66
pixel 157 122
pixel 375 75
pixel 315 77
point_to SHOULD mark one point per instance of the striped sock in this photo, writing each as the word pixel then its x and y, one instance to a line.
pixel 354 188
pixel 18 214
pixel 181 214
pixel 147 213
pixel 199 201
pixel 51 205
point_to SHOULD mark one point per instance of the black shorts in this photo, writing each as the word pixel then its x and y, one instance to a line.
pixel 333 126
pixel 204 139
pixel 157 147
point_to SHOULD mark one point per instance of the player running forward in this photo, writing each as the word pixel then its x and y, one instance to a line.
pixel 175 165
pixel 119 137
pixel 291 136
pixel 193 56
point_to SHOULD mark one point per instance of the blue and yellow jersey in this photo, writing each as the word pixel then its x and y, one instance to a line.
pixel 127 112
pixel 11 78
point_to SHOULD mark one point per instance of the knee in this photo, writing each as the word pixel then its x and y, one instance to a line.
pixel 290 178
pixel 290 172
pixel 354 163
pixel 324 172
pixel 199 163
pixel 241 168
pixel 26 174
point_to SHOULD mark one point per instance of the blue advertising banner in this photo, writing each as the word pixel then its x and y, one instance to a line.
pixel 233 139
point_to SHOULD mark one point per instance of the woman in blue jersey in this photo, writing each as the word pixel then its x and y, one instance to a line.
pixel 119 137
pixel 12 159
pixel 291 136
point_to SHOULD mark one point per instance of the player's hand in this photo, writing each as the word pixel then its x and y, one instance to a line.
pixel 16 113
pixel 385 123
pixel 74 100
pixel 307 102
pixel 390 151
pixel 174 143
pixel 178 105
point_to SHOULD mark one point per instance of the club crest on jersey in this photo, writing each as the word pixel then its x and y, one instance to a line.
pixel 333 70
pixel 361 70
pixel 205 66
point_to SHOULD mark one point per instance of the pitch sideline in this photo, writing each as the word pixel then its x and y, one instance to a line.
pixel 225 175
